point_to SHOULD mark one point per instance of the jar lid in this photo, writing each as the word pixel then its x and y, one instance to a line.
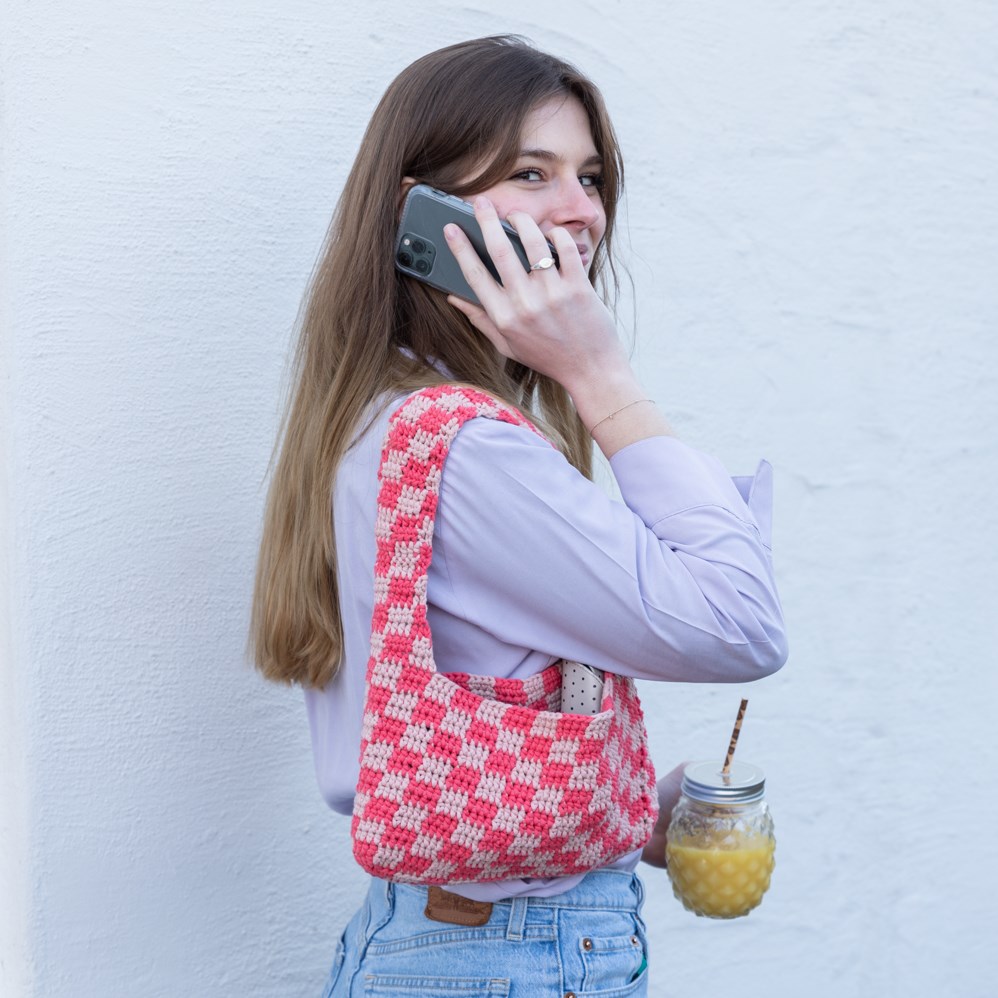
pixel 743 783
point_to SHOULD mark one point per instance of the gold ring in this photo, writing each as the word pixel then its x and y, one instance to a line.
pixel 543 264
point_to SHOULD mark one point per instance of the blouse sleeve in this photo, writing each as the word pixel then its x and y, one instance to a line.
pixel 674 583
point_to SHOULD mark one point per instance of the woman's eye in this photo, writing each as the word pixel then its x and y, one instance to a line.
pixel 532 175
pixel 592 180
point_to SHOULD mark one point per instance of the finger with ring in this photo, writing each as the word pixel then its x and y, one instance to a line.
pixel 543 264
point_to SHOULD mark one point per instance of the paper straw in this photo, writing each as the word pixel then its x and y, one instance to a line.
pixel 734 738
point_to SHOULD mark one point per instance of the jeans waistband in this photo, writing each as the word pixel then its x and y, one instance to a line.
pixel 601 890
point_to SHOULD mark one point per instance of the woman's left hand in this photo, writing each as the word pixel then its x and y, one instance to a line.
pixel 669 789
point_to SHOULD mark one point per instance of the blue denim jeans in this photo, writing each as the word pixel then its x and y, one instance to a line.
pixel 589 941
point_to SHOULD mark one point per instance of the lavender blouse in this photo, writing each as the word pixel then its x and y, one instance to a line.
pixel 532 562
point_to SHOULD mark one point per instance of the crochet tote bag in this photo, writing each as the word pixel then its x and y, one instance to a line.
pixel 466 777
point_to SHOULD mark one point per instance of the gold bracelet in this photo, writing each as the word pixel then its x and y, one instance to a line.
pixel 618 411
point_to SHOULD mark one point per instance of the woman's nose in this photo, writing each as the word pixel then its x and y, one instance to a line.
pixel 576 206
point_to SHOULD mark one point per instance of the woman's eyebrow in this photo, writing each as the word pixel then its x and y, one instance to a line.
pixel 548 156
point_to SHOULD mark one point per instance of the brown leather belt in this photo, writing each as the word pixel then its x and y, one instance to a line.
pixel 443 906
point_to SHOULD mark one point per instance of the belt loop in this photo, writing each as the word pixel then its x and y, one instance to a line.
pixel 638 887
pixel 517 919
pixel 379 906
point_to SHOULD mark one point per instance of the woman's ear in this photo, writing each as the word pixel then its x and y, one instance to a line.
pixel 407 184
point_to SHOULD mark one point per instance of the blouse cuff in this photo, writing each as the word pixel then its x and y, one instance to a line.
pixel 694 480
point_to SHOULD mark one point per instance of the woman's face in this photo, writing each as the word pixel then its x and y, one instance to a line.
pixel 558 175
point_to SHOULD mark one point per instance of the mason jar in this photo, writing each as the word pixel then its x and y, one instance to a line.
pixel 720 843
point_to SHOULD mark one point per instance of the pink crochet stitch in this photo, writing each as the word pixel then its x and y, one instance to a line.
pixel 466 777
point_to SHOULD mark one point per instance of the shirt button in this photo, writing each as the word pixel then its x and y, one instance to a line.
pixel 587 944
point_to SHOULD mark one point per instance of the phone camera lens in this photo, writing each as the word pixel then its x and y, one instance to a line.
pixel 422 266
pixel 418 246
pixel 405 259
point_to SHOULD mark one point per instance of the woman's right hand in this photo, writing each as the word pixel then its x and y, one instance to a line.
pixel 550 320
pixel 555 323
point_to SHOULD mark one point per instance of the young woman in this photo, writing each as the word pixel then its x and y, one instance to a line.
pixel 532 562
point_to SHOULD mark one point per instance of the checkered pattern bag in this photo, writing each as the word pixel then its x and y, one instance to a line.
pixel 475 778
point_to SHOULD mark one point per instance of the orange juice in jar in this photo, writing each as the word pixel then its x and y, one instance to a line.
pixel 720 843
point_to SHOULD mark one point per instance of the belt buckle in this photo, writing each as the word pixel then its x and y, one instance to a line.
pixel 444 906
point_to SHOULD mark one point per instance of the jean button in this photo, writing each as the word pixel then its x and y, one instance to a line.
pixel 569 994
pixel 587 944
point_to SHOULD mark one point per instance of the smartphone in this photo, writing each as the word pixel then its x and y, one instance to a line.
pixel 421 251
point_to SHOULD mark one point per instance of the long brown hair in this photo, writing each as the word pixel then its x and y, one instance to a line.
pixel 367 333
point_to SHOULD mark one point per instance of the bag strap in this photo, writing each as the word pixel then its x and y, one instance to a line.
pixel 419 437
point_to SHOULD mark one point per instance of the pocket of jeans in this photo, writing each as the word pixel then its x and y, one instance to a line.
pixel 612 962
pixel 383 986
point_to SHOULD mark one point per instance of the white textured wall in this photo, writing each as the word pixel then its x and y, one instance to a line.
pixel 814 231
